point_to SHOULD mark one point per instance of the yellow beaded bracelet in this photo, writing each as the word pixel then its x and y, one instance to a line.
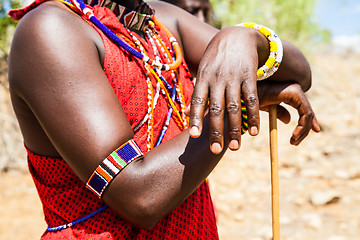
pixel 276 50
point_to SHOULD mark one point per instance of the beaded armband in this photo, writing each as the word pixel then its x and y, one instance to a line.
pixel 112 165
pixel 276 51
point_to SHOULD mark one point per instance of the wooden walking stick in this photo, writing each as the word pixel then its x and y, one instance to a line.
pixel 274 172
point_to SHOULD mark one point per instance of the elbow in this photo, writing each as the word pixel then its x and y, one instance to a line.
pixel 135 201
pixel 306 84
pixel 146 216
pixel 302 75
pixel 141 211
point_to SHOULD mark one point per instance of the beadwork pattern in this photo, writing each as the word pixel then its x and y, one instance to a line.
pixel 112 166
pixel 156 65
pixel 272 64
pixel 65 198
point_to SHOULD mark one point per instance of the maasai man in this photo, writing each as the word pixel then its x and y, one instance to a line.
pixel 100 91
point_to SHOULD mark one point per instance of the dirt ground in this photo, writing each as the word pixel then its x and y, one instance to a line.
pixel 319 180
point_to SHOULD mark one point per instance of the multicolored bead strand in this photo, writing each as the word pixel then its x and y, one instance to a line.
pixel 88 13
pixel 244 118
pixel 156 65
pixel 113 165
pixel 276 50
pixel 151 107
pixel 165 86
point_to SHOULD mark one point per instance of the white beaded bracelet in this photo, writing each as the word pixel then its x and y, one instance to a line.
pixel 276 50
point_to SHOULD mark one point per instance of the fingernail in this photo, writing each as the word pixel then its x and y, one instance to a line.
pixel 234 144
pixel 194 131
pixel 216 148
pixel 253 130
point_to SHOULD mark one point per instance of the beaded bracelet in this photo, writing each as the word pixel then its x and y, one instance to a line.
pixel 112 165
pixel 244 118
pixel 276 51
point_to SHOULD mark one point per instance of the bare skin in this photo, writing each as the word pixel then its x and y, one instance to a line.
pixel 198 8
pixel 62 101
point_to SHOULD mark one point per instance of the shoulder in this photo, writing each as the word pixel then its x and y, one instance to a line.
pixel 48 36
pixel 49 23
pixel 49 16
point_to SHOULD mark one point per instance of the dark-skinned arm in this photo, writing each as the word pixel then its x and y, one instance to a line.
pixel 56 75
pixel 226 62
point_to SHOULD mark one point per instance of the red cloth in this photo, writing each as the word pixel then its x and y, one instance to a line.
pixel 66 199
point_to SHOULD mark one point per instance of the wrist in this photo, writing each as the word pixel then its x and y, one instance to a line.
pixel 274 60
pixel 262 46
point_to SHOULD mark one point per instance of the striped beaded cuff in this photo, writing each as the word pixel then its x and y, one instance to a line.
pixel 244 118
pixel 276 50
pixel 112 165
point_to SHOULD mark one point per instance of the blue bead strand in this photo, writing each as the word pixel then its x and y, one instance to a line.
pixel 107 31
pixel 163 131
pixel 61 227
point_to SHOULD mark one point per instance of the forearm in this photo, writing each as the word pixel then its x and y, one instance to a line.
pixel 294 67
pixel 154 186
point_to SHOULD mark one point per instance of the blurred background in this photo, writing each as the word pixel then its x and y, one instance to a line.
pixel 319 180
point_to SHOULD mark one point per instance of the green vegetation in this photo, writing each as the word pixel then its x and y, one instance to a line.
pixel 7 25
pixel 291 20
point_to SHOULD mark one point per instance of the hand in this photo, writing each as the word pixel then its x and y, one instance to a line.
pixel 227 71
pixel 290 93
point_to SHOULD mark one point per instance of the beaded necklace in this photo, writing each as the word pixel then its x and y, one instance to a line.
pixel 88 14
pixel 164 61
pixel 171 62
pixel 137 19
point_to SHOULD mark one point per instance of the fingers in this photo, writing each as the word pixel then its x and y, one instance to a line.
pixel 233 109
pixel 315 125
pixel 249 90
pixel 283 114
pixel 305 123
pixel 216 120
pixel 291 94
pixel 197 110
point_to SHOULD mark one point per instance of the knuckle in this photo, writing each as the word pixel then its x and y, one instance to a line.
pixel 310 115
pixel 218 74
pixel 252 100
pixel 234 132
pixel 215 109
pixel 230 72
pixel 194 120
pixel 246 74
pixel 233 107
pixel 252 119
pixel 197 101
pixel 222 73
pixel 295 87
pixel 203 72
pixel 216 134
